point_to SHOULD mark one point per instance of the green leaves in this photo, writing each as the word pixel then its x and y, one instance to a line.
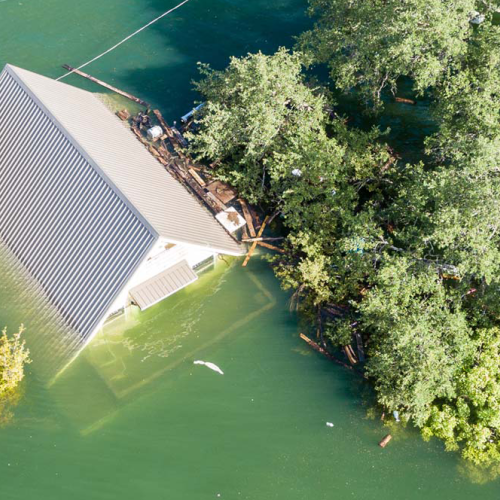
pixel 419 337
pixel 473 417
pixel 261 122
pixel 13 357
pixel 409 254
pixel 369 44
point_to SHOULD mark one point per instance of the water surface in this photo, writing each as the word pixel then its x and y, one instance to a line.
pixel 132 417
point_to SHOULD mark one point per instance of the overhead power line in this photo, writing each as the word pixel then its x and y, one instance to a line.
pixel 124 40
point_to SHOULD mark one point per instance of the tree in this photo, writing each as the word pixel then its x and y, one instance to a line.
pixel 419 337
pixel 13 356
pixel 370 44
pixel 472 417
pixel 258 119
pixel 467 106
pixel 409 253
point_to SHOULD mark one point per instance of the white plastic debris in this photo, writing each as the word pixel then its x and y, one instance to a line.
pixel 396 415
pixel 329 424
pixel 212 366
pixel 477 18
pixel 297 172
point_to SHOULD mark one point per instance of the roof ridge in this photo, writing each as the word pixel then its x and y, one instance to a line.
pixel 46 108
pixel 163 204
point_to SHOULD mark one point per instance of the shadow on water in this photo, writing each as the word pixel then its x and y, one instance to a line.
pixel 209 32
pixel 132 417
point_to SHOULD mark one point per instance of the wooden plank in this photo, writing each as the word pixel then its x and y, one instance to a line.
pixel 385 441
pixel 248 217
pixel 223 191
pixel 271 247
pixel 405 100
pixel 193 172
pixel 123 115
pixel 350 354
pixel 163 123
pixel 254 244
pixel 106 85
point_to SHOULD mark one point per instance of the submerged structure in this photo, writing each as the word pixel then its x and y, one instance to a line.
pixel 87 212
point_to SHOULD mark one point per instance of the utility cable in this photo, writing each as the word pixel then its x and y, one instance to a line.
pixel 123 41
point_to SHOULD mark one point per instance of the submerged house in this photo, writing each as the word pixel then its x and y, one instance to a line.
pixel 85 209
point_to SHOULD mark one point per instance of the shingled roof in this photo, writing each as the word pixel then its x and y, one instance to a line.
pixel 81 200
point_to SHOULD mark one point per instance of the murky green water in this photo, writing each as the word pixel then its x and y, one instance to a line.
pixel 133 418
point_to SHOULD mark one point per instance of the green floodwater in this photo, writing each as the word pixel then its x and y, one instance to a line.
pixel 132 417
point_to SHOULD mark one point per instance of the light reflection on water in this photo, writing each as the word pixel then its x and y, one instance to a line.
pixel 51 342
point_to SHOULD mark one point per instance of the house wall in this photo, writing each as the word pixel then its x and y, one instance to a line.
pixel 162 255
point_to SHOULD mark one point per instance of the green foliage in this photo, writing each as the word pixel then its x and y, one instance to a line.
pixel 473 415
pixel 417 328
pixel 259 119
pixel 410 251
pixel 468 105
pixel 370 44
pixel 13 356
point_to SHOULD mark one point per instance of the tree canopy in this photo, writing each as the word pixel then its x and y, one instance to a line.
pixel 408 252
pixel 369 44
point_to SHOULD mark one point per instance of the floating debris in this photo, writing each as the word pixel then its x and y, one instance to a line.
pixel 385 441
pixel 212 366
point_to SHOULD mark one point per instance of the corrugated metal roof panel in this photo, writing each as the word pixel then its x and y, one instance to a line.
pixel 167 206
pixel 60 218
pixel 162 285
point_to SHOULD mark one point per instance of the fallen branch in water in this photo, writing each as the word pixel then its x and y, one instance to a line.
pixel 318 348
pixel 271 247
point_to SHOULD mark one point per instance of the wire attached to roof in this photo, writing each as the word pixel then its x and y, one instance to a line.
pixel 124 40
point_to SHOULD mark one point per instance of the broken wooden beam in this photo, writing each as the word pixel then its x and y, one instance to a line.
pixel 248 217
pixel 124 115
pixel 385 441
pixel 163 123
pixel 254 244
pixel 255 217
pixel 271 247
pixel 106 85
pixel 405 100
pixel 350 354
pixel 197 177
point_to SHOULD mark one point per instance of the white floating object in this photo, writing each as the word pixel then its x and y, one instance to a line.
pixel 396 415
pixel 297 172
pixel 212 366
pixel 329 424
pixel 155 132
pixel 477 18
pixel 231 219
